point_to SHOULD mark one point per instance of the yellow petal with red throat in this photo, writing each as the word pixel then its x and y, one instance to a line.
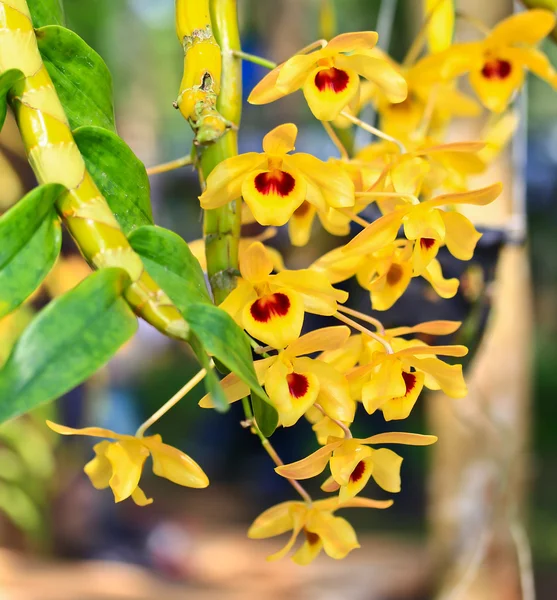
pixel 440 375
pixel 256 263
pixel 389 287
pixel 336 534
pixel 174 465
pixel 309 550
pixel 281 139
pixel 389 81
pixel 333 181
pixel 318 295
pixel 358 479
pixel 224 183
pixel 301 223
pixel 291 391
pixel 401 407
pixel 445 288
pixel 273 194
pixel 275 319
pixel 497 81
pixel 328 90
pixel 99 469
pixel 424 251
pixel 528 27
pixel 126 458
pixel 461 236
pixel 345 459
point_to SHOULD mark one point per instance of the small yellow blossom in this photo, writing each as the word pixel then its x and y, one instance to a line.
pixel 353 462
pixel 329 76
pixel 322 529
pixel 119 464
pixel 271 307
pixel 295 382
pixel 275 183
pixel 496 65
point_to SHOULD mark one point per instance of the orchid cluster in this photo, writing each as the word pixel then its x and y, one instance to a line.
pixel 417 183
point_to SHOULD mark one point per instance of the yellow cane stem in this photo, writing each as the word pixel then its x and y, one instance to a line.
pixel 200 84
pixel 222 225
pixel 55 158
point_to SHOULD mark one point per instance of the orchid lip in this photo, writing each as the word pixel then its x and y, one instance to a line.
pixel 358 472
pixel 496 69
pixel 276 182
pixel 298 384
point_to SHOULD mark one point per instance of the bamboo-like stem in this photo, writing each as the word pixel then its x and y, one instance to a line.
pixel 363 317
pixel 373 130
pixel 270 450
pixel 346 430
pixel 335 139
pixel 55 158
pixel 170 403
pixel 222 225
pixel 252 58
pixel 171 165
pixel 365 331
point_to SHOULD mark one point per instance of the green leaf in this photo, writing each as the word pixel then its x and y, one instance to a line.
pixel 31 239
pixel 224 340
pixel 119 174
pixel 265 415
pixel 171 264
pixel 7 80
pixel 67 342
pixel 46 12
pixel 80 76
pixel 211 381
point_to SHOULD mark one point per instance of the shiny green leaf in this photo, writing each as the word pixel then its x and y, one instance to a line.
pixel 265 415
pixel 80 76
pixel 224 340
pixel 119 174
pixel 30 243
pixel 7 79
pixel 67 342
pixel 46 12
pixel 171 264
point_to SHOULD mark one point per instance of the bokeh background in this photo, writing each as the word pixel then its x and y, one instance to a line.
pixel 469 509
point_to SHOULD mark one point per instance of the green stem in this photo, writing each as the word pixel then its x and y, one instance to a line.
pixel 222 225
pixel 258 60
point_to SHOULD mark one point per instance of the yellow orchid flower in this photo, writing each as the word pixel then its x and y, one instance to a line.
pixel 275 183
pixel 329 76
pixel 429 226
pixel 496 65
pixel 393 382
pixel 322 529
pixel 353 462
pixel 271 307
pixel 294 382
pixel 119 464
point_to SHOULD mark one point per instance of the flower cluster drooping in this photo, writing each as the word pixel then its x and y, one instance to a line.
pixel 417 184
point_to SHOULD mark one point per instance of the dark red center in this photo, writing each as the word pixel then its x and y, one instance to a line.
pixel 358 472
pixel 311 537
pixel 332 79
pixel 496 69
pixel 426 243
pixel 266 308
pixel 303 209
pixel 394 274
pixel 409 380
pixel 298 384
pixel 274 182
